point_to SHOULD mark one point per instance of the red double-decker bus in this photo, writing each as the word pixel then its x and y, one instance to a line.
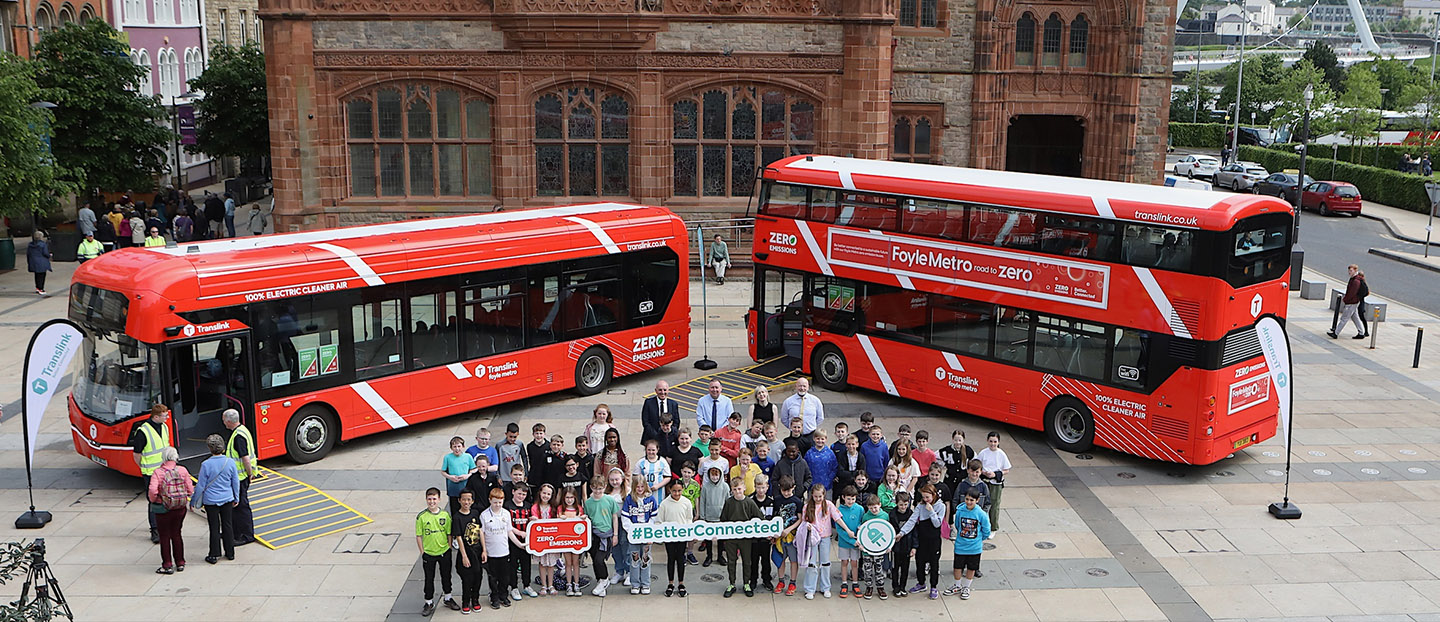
pixel 326 336
pixel 1104 313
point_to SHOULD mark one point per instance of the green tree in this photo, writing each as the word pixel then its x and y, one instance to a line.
pixel 1301 21
pixel 1183 109
pixel 106 134
pixel 1321 56
pixel 233 117
pixel 1262 73
pixel 1359 116
pixel 1394 75
pixel 29 178
pixel 1290 107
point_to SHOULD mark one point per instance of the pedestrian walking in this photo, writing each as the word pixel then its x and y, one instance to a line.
pixel 219 486
pixel 137 229
pixel 85 220
pixel 229 215
pixel 38 256
pixel 183 227
pixel 147 439
pixel 1425 168
pixel 170 492
pixel 1350 304
pixel 214 216
pixel 1362 311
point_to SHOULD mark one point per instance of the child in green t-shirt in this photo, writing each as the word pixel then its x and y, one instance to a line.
pixel 432 536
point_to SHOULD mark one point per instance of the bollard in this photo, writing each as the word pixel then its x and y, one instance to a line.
pixel 1374 328
pixel 1419 337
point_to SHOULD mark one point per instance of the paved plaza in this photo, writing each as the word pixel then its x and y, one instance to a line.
pixel 1099 536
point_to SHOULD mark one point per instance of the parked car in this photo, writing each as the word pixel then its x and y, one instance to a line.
pixel 1197 166
pixel 1331 197
pixel 1239 176
pixel 1258 136
pixel 1280 185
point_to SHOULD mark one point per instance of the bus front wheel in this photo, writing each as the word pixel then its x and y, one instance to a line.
pixel 593 371
pixel 830 369
pixel 311 434
pixel 1069 425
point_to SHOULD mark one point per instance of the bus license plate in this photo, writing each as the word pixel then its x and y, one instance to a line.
pixel 1240 443
pixel 98 460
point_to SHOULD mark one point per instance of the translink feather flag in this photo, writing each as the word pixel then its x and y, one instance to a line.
pixel 1276 346
pixel 46 360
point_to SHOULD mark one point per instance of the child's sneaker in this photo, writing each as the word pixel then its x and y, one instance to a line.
pixel 844 590
pixel 427 610
pixel 919 587
pixel 964 593
pixel 530 592
pixel 790 591
pixel 627 580
pixel 634 589
pixel 645 590
pixel 952 590
pixel 691 559
pixel 869 593
pixel 934 593
pixel 882 593
pixel 450 602
pixel 827 593
pixel 514 593
pixel 809 595
pixel 600 589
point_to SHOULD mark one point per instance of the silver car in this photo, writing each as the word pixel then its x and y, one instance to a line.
pixel 1197 166
pixel 1240 176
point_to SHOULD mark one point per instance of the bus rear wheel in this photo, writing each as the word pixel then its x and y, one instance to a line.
pixel 1069 425
pixel 311 434
pixel 830 369
pixel 593 371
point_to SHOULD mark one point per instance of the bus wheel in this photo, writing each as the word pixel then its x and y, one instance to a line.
pixel 311 434
pixel 830 369
pixel 1069 425
pixel 593 371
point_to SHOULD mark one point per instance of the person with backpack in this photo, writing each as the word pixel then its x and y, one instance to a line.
pixel 170 492
pixel 1350 304
pixel 219 486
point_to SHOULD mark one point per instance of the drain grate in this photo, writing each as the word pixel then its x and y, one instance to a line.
pixel 376 543
pixel 1097 572
pixel 1197 541
pixel 712 577
pixel 1044 546
pixel 103 498
pixel 1125 475
pixel 1034 573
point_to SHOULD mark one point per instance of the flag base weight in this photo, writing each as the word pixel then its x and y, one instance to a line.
pixel 1285 510
pixel 32 520
pixel 706 364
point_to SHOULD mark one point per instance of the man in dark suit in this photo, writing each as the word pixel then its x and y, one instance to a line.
pixel 653 407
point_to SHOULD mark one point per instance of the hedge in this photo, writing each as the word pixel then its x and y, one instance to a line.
pixel 1383 186
pixel 1390 156
pixel 1210 135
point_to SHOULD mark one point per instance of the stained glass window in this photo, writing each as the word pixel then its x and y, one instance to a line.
pixel 582 143
pixel 418 139
pixel 720 136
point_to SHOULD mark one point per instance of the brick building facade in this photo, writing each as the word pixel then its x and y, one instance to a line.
pixel 24 22
pixel 384 109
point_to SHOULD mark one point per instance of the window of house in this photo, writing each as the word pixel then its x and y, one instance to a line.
pixel 1050 50
pixel 194 63
pixel 582 143
pixel 141 58
pixel 67 16
pixel 721 136
pixel 1079 41
pixel 244 27
pixel 257 26
pixel 86 14
pixel 190 11
pixel 418 139
pixel 915 136
pixel 135 12
pixel 919 13
pixel 1025 41
pixel 224 29
pixel 164 11
pixel 44 21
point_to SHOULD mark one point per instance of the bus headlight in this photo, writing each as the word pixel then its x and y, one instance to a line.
pixel 1209 430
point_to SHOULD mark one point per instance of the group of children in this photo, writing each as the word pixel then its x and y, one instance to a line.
pixel 820 492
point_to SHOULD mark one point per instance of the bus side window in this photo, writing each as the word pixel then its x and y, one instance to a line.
pixel 961 326
pixel 784 200
pixel 434 330
pixel 650 277
pixel 375 327
pixel 542 310
pixel 294 340
pixel 491 322
pixel 1128 366
pixel 823 206
pixel 1012 335
pixel 591 299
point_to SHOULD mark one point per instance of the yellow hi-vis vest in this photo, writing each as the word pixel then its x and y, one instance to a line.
pixel 230 448
pixel 154 442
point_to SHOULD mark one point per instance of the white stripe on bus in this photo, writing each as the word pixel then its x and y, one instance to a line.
pixel 460 371
pixel 381 407
pixel 809 237
pixel 598 232
pixel 879 365
pixel 362 269
pixel 1162 302
pixel 953 361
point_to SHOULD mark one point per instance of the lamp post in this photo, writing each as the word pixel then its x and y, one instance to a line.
pixel 177 171
pixel 1430 96
pixel 1239 82
pixel 35 210
pixel 1297 254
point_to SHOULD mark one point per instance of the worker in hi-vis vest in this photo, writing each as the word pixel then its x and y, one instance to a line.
pixel 241 449
pixel 147 438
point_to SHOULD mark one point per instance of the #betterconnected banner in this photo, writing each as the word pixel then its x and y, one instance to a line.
pixel 647 533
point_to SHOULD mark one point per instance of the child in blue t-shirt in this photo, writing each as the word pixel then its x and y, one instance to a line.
pixel 457 467
pixel 972 529
pixel 482 446
pixel 850 513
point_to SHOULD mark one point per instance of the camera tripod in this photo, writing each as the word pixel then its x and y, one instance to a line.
pixel 48 599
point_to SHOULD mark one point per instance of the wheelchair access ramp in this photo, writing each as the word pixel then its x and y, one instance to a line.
pixel 288 511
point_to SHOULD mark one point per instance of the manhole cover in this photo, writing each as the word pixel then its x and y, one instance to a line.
pixel 1363 452
pixel 1176 474
pixel 713 577
pixel 1274 472
pixel 1125 475
pixel 615 392
pixel 1044 546
pixel 1408 452
pixel 1081 457
pixel 1321 471
pixel 1317 453
pixel 1270 454
pixel 988 546
pixel 1417 470
pixel 1097 572
pixel 1035 573
pixel 1370 471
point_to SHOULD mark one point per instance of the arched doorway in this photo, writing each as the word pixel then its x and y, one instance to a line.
pixel 1043 143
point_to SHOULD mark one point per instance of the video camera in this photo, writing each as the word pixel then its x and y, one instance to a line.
pixel 37 550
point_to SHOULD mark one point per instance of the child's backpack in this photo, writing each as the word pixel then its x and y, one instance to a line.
pixel 172 490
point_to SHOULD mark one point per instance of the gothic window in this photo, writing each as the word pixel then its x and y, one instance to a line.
pixel 582 143
pixel 141 59
pixel 67 15
pixel 721 136
pixel 919 13
pixel 418 139
pixel 44 21
pixel 916 135
pixel 86 14
pixel 1025 40
pixel 1050 52
pixel 1079 41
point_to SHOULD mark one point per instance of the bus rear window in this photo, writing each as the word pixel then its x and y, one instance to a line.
pixel 784 200
pixel 1259 249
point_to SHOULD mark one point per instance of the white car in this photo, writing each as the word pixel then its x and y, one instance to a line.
pixel 1197 166
pixel 1240 176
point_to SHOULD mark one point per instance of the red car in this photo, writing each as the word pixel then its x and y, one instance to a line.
pixel 1331 197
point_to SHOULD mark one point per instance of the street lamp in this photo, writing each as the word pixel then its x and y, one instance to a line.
pixel 1430 96
pixel 177 171
pixel 1239 82
pixel 1297 254
pixel 35 211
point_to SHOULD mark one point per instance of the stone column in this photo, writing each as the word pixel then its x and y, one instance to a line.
pixel 515 158
pixel 868 66
pixel 649 145
pixel 290 87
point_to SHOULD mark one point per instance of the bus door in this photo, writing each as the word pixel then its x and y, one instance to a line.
pixel 204 378
pixel 779 317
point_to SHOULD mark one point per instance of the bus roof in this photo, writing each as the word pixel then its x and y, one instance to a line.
pixel 1093 197
pixel 249 269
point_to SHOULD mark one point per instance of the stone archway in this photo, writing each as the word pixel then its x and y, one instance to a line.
pixel 1049 144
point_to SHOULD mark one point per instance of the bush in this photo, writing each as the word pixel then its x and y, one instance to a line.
pixel 1390 156
pixel 1210 135
pixel 1383 186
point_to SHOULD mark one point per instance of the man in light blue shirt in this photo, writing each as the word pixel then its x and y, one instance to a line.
pixel 229 215
pixel 804 405
pixel 713 409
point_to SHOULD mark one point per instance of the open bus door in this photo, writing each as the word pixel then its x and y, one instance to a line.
pixel 778 313
pixel 204 377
